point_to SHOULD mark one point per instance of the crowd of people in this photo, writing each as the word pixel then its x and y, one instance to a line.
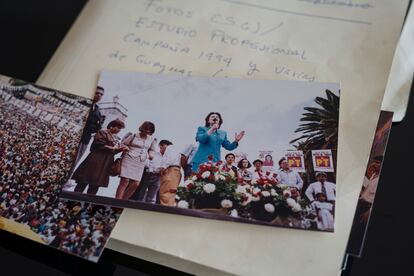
pixel 35 159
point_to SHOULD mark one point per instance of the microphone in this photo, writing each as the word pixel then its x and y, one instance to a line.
pixel 215 122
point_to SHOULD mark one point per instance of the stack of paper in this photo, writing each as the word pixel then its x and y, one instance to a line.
pixel 351 42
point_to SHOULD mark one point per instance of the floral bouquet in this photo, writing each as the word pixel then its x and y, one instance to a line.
pixel 210 187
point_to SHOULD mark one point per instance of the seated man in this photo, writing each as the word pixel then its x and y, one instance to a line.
pixel 287 176
pixel 321 186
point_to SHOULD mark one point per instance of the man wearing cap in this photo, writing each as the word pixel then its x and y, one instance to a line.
pixel 288 176
pixel 321 186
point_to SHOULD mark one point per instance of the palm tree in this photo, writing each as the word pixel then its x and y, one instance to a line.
pixel 320 128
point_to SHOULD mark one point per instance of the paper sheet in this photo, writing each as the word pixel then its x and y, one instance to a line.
pixel 402 71
pixel 308 40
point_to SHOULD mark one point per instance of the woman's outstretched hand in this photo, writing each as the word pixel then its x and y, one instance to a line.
pixel 239 136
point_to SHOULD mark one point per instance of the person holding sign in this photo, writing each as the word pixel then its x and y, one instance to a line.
pixel 288 176
pixel 211 138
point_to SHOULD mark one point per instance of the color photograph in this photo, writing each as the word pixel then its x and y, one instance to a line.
pixel 369 185
pixel 252 151
pixel 40 132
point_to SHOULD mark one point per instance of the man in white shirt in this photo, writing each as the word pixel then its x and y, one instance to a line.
pixel 170 173
pixel 187 156
pixel 287 176
pixel 321 186
pixel 150 184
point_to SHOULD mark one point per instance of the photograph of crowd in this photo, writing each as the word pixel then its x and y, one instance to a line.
pixel 40 131
pixel 369 185
pixel 254 151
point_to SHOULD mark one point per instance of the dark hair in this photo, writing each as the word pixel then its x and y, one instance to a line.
pixel 208 116
pixel 116 123
pixel 165 142
pixel 318 194
pixel 228 154
pixel 257 160
pixel 147 125
pixel 240 164
pixel 271 157
pixel 320 173
pixel 100 88
pixel 378 158
pixel 281 160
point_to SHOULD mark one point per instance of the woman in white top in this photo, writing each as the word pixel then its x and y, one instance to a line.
pixel 142 146
pixel 245 176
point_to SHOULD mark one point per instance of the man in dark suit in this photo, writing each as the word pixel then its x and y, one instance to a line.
pixel 93 123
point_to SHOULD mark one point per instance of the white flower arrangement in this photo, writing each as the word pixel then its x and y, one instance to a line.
pixel 183 204
pixel 287 193
pixel 247 201
pixel 294 205
pixel 297 208
pixel 283 186
pixel 226 203
pixel 205 174
pixel 256 198
pixel 240 189
pixel 187 182
pixel 291 202
pixel 209 187
pixel 273 192
pixel 265 194
pixel 234 213
pixel 256 190
pixel 270 208
pixel 219 177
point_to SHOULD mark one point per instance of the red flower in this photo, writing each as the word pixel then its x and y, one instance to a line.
pixel 210 157
pixel 294 192
pixel 274 175
pixel 267 173
pixel 190 186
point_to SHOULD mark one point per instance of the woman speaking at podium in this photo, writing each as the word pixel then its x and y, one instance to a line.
pixel 211 138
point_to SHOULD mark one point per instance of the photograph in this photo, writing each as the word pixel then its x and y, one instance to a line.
pixel 40 134
pixel 369 185
pixel 252 151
